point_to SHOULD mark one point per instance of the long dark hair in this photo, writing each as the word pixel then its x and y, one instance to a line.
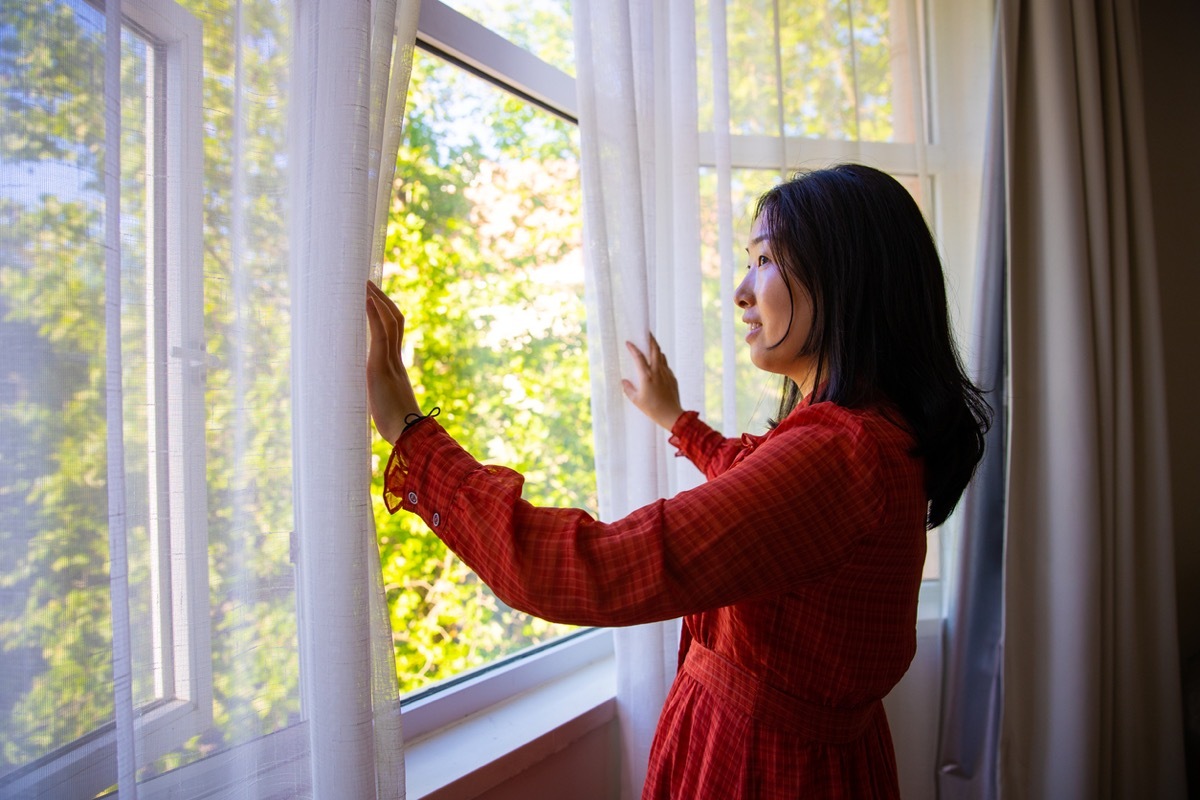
pixel 854 238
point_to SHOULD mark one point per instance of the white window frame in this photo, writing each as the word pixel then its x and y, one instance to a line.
pixel 178 519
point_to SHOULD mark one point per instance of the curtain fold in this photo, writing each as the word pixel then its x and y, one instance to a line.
pixel 355 59
pixel 972 685
pixel 636 69
pixel 1091 682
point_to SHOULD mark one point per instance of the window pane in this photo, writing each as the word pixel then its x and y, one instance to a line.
pixel 848 69
pixel 543 27
pixel 55 628
pixel 484 256
pixel 137 340
pixel 55 631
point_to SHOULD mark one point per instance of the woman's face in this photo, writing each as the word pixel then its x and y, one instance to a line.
pixel 779 325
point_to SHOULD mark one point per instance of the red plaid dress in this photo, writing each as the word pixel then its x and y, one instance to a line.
pixel 796 566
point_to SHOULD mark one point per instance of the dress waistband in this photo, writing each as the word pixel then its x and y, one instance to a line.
pixel 772 706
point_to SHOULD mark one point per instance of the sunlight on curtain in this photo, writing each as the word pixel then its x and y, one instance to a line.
pixel 189 464
pixel 640 174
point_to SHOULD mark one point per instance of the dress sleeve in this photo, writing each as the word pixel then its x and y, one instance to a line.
pixel 790 512
pixel 711 452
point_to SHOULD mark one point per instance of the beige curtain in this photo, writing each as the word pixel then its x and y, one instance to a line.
pixel 1091 681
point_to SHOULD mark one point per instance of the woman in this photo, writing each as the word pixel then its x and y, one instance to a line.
pixel 797 564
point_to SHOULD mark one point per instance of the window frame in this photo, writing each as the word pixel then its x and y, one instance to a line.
pixel 178 491
pixel 461 41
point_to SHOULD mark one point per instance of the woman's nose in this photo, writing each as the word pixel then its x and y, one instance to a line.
pixel 743 297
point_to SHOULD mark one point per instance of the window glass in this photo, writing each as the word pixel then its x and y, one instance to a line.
pixel 847 68
pixel 484 257
pixel 543 27
pixel 54 595
pixel 139 364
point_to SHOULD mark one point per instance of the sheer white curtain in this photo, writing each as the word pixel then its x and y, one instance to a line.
pixel 1091 679
pixel 193 196
pixel 636 69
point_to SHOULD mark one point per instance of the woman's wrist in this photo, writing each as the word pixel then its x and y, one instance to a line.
pixel 668 418
pixel 392 404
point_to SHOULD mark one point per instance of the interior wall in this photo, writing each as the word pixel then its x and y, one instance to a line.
pixel 587 769
pixel 1171 68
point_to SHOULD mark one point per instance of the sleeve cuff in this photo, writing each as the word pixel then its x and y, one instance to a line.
pixel 425 471
pixel 685 431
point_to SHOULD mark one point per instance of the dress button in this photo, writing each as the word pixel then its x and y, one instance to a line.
pixel 437 519
pixel 412 498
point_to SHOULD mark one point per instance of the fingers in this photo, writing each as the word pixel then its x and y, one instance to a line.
pixel 652 360
pixel 386 322
pixel 657 356
pixel 639 360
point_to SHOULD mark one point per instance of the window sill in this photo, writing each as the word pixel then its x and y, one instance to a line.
pixel 448 754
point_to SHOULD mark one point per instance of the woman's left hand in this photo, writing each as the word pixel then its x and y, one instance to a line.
pixel 657 393
pixel 389 391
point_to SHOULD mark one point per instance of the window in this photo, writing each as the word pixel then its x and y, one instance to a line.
pixel 57 484
pixel 484 255
pixel 852 82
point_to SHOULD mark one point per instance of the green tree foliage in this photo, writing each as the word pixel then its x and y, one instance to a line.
pixel 483 229
pixel 54 505
pixel 836 63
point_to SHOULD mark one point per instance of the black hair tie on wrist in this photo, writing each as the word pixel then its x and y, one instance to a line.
pixel 413 419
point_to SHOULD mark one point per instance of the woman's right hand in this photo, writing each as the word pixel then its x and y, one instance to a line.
pixel 657 393
pixel 389 391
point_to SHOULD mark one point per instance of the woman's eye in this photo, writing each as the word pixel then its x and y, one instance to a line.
pixel 763 260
